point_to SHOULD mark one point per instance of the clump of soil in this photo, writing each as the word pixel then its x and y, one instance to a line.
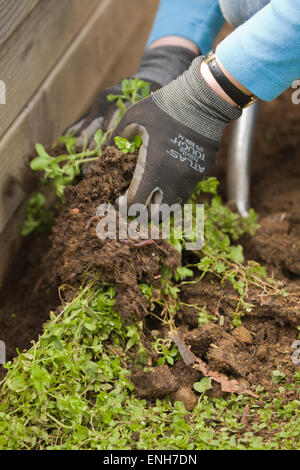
pixel 76 249
pixel 156 383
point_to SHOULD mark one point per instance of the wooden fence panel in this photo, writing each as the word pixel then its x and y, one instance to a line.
pixel 35 46
pixel 105 50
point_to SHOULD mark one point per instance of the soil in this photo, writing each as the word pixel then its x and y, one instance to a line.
pixel 248 353
pixel 76 249
pixel 24 303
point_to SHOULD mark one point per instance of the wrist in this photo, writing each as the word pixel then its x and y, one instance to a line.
pixel 224 84
pixel 232 79
pixel 192 102
pixel 212 82
pixel 175 41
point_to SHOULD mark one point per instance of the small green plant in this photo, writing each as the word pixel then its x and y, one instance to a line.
pixel 71 390
pixel 163 347
pixel 61 171
pixel 126 146
pixel 133 89
pixel 277 376
pixel 220 255
pixel 37 217
pixel 182 273
pixel 203 385
pixel 204 317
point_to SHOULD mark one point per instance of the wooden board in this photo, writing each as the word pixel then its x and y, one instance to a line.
pixel 106 50
pixel 34 43
pixel 12 14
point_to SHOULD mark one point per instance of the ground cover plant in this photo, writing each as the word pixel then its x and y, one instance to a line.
pixel 72 390
pixel 96 379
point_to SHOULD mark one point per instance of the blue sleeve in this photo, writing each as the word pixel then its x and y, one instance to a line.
pixel 196 20
pixel 263 54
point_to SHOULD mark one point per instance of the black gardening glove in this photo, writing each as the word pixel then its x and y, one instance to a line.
pixel 181 125
pixel 158 67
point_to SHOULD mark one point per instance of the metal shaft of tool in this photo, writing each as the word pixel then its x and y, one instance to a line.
pixel 238 166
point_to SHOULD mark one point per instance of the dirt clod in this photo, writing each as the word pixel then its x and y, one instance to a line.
pixel 242 335
pixel 261 352
pixel 156 383
pixel 187 396
pixel 76 249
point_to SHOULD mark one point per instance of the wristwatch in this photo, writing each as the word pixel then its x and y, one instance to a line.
pixel 238 96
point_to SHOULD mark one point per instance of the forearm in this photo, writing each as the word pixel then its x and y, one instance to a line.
pixel 263 54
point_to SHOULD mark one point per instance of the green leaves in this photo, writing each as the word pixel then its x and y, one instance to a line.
pixel 208 185
pixel 38 218
pixel 203 316
pixel 163 347
pixel 52 383
pixel 133 333
pixel 203 385
pixel 133 89
pixel 100 138
pixel 221 256
pixel 70 143
pixel 277 376
pixel 128 147
pixel 61 171
pixel 71 390
pixel 41 378
pixel 17 383
pixel 236 254
pixel 43 161
pixel 182 272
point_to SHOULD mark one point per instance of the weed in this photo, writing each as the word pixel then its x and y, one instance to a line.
pixel 133 89
pixel 221 256
pixel 277 376
pixel 164 348
pixel 128 147
pixel 72 391
pixel 37 218
pixel 203 385
pixel 63 170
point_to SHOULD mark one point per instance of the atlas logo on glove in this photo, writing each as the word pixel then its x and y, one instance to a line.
pixel 188 150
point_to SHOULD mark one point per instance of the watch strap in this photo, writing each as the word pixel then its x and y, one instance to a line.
pixel 238 96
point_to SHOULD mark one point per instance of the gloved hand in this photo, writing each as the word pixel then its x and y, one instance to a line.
pixel 158 67
pixel 181 125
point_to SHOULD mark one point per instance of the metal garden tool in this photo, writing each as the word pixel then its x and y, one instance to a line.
pixel 238 166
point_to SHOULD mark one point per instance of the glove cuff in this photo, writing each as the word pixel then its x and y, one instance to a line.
pixel 163 64
pixel 192 102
